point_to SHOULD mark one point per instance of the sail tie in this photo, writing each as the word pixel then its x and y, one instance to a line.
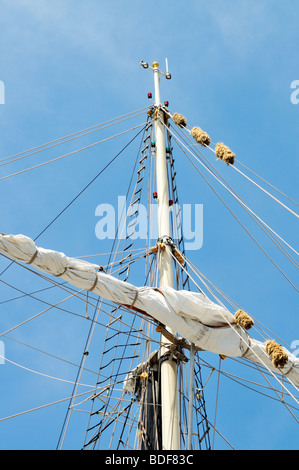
pixel 135 298
pixel 61 274
pixel 243 320
pixel 33 257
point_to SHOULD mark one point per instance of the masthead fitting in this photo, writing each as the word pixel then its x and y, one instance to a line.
pixel 155 65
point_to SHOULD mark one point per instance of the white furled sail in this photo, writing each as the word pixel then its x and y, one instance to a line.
pixel 192 315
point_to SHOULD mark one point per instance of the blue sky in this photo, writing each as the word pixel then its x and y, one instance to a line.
pixel 66 67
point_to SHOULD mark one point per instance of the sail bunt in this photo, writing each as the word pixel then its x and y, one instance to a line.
pixel 191 315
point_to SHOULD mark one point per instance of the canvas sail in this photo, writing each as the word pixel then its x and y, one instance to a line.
pixel 191 315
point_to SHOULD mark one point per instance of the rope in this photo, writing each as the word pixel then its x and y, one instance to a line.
pixel 115 253
pixel 234 194
pixel 42 406
pixel 224 153
pixel 238 219
pixel 272 186
pixel 264 190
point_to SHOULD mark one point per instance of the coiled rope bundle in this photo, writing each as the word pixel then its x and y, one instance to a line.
pixel 200 136
pixel 243 320
pixel 277 353
pixel 225 154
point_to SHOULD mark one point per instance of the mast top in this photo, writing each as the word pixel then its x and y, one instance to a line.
pixel 155 65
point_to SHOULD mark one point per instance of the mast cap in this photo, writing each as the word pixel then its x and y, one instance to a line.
pixel 155 64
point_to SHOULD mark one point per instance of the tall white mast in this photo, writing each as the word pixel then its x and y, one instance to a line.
pixel 169 368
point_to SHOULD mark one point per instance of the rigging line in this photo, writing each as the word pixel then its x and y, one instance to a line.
pixel 271 372
pixel 264 190
pixel 69 140
pixel 40 373
pixel 36 298
pixel 35 316
pixel 47 353
pixel 281 398
pixel 127 260
pixel 240 380
pixel 64 310
pixel 260 187
pixel 43 406
pixel 228 323
pixel 240 201
pixel 273 262
pixel 232 192
pixel 24 294
pixel 234 304
pixel 201 275
pixel 70 153
pixel 95 317
pixel 118 370
pixel 228 299
pixel 108 253
pixel 129 263
pixel 283 194
pixel 81 192
pixel 262 326
pixel 148 127
pixel 80 298
pixel 216 406
pixel 251 365
pixel 221 435
pixel 212 150
pixel 75 133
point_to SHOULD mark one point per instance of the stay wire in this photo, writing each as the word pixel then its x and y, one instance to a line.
pixel 69 153
pixel 241 202
pixel 96 312
pixel 149 127
pixel 66 141
pixel 74 134
pixel 82 191
pixel 238 220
